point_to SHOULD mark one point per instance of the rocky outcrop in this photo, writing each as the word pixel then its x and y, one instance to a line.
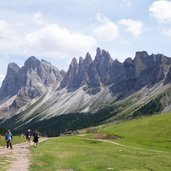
pixel 141 62
pixel 36 75
pixel 103 63
pixel 129 76
pixel 88 77
pixel 144 70
pixel 10 84
pixel 32 78
pixel 70 81
pixel 89 73
pixel 168 77
pixel 21 85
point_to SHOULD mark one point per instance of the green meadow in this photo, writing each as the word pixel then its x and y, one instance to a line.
pixel 4 162
pixel 142 144
pixel 15 140
pixel 152 132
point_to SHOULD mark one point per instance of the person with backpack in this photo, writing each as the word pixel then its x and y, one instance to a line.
pixel 35 138
pixel 8 138
pixel 28 137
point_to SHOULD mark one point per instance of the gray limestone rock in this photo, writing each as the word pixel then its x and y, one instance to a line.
pixel 10 84
pixel 37 77
pixel 103 63
pixel 28 82
pixel 69 80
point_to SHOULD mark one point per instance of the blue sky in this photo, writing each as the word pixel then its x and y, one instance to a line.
pixel 58 30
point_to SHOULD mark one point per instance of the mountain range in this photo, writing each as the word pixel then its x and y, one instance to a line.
pixel 96 88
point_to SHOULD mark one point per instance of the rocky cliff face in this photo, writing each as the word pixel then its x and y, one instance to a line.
pixel 26 83
pixel 89 73
pixel 9 85
pixel 87 85
pixel 126 77
pixel 36 76
pixel 33 78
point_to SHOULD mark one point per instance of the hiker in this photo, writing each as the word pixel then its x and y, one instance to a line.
pixel 35 138
pixel 28 136
pixel 8 138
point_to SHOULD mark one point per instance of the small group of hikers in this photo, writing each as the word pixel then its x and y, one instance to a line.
pixel 29 135
pixel 35 136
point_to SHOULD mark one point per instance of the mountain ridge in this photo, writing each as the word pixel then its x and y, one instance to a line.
pixel 88 86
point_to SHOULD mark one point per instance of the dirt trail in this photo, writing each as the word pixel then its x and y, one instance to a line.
pixel 131 147
pixel 127 146
pixel 20 156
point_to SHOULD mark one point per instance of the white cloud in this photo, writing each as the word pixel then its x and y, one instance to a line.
pixel 106 30
pixel 56 39
pixel 169 32
pixel 127 3
pixel 48 39
pixel 101 18
pixel 161 11
pixel 9 37
pixel 38 18
pixel 4 29
pixel 135 27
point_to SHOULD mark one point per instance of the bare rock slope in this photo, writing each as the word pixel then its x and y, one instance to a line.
pixel 40 90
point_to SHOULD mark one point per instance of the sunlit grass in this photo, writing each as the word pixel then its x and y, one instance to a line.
pixel 80 154
pixel 5 160
pixel 149 132
pixel 83 153
pixel 15 140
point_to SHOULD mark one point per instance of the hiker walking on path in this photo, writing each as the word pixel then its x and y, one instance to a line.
pixel 8 138
pixel 28 137
pixel 36 138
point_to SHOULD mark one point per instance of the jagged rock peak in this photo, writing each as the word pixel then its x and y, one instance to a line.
pixel 81 60
pixel 32 62
pixel 141 54
pixel 88 60
pixel 74 62
pixel 116 61
pixel 104 52
pixel 9 85
pixel 32 58
pixel 98 52
pixel 88 56
pixel 103 55
pixel 44 61
pixel 128 60
pixel 13 66
pixel 106 55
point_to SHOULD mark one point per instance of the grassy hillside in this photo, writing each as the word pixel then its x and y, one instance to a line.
pixel 143 144
pixel 152 132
